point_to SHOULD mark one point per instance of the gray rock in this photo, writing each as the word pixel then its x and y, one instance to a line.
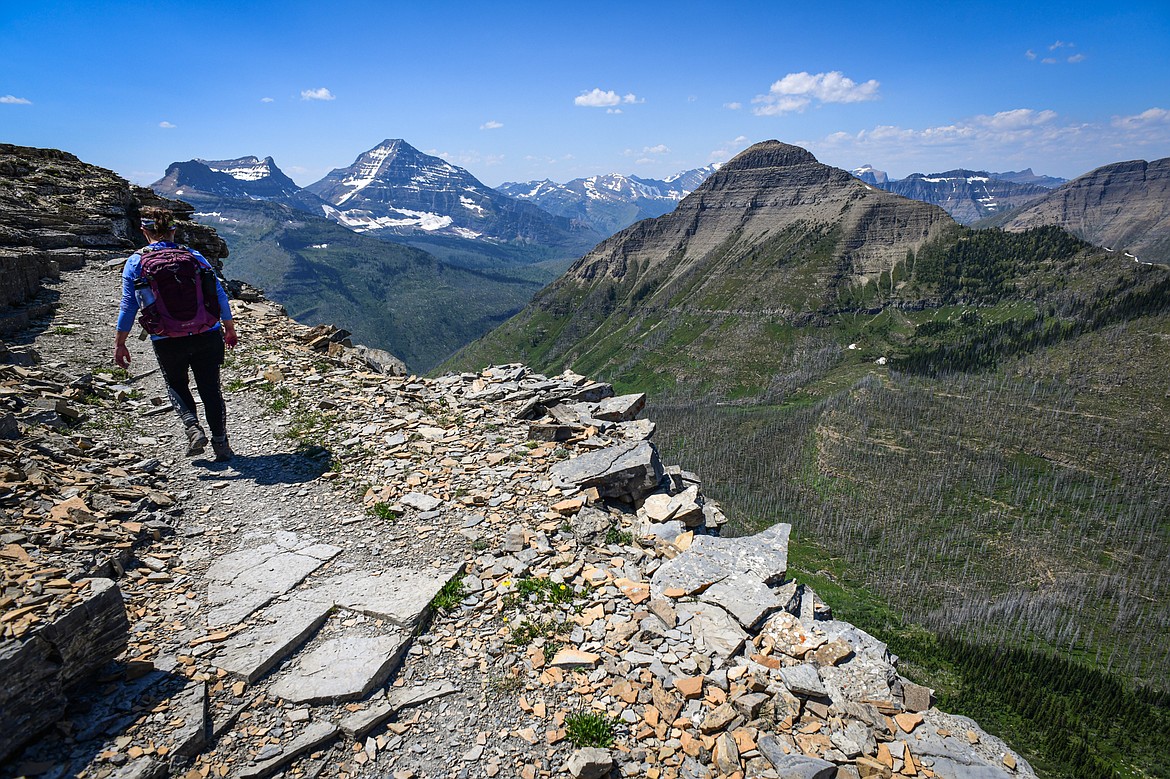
pixel 39 670
pixel 620 409
pixel 803 680
pixel 284 626
pixel 715 632
pixel 745 597
pixel 711 559
pixel 590 763
pixel 625 471
pixel 794 766
pixel 316 734
pixel 249 579
pixel 854 739
pixel 398 595
pixel 915 697
pixel 341 669
pixel 590 526
pixel 191 707
pixel 420 501
pixel 145 767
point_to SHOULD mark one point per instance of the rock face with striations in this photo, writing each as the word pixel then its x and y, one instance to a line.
pixel 56 212
pixel 1124 206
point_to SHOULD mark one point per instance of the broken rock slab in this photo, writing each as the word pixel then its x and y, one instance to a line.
pixel 712 559
pixel 241 582
pixel 745 597
pixel 357 724
pixel 626 471
pixel 341 669
pixel 250 654
pixel 715 632
pixel 398 595
pixel 316 734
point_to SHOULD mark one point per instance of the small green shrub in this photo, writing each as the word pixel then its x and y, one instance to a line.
pixel 590 729
pixel 619 537
pixel 382 510
pixel 450 595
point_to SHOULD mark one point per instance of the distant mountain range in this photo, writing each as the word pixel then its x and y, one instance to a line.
pixel 966 195
pixel 610 202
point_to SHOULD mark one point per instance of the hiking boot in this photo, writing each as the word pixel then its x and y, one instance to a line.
pixel 196 440
pixel 223 450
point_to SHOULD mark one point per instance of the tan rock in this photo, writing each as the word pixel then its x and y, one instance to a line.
pixel 908 720
pixel 689 687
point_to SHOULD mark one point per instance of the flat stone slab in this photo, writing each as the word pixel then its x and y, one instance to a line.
pixel 341 669
pixel 357 724
pixel 398 595
pixel 620 409
pixel 626 471
pixel 714 630
pixel 243 581
pixel 712 559
pixel 745 597
pixel 315 734
pixel 252 653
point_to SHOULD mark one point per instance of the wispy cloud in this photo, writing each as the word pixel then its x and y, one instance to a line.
pixel 14 100
pixel 661 148
pixel 1053 57
pixel 733 106
pixel 321 93
pixel 267 100
pixel 491 125
pixel 598 98
pixel 728 149
pixel 797 91
pixel 1022 135
pixel 167 125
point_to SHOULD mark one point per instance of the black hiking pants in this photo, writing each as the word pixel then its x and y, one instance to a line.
pixel 202 355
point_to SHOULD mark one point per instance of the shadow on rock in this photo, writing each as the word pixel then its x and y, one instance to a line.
pixel 102 713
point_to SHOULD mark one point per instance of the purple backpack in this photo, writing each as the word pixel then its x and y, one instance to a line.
pixel 177 293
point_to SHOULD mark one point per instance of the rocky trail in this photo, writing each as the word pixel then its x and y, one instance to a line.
pixel 471 576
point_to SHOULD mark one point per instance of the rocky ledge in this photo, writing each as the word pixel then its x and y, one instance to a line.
pixel 487 574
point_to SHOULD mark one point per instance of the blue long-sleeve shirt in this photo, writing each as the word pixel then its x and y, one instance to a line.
pixel 132 272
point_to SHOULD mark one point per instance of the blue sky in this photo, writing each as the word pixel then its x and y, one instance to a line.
pixel 519 91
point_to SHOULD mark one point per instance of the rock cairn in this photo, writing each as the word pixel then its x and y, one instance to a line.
pixel 479 575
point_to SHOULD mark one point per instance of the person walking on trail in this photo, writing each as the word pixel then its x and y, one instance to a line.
pixel 185 309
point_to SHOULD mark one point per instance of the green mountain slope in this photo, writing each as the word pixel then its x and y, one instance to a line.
pixel 966 428
pixel 390 296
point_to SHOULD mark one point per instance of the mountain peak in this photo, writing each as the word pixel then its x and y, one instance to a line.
pixel 769 154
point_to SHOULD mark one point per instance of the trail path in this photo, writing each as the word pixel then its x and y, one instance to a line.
pixel 404 577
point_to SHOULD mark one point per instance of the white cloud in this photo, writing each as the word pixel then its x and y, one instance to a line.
pixel 491 125
pixel 1077 58
pixel 1151 117
pixel 266 100
pixel 643 161
pixel 599 99
pixel 1049 60
pixel 728 149
pixel 1030 54
pixel 733 106
pixel 1020 137
pixel 1061 45
pixel 322 93
pixel 661 148
pixel 613 110
pixel 797 91
pixel 167 125
pixel 14 100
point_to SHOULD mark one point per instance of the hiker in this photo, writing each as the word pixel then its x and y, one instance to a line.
pixel 185 309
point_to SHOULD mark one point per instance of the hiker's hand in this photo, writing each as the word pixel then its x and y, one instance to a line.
pixel 229 334
pixel 122 356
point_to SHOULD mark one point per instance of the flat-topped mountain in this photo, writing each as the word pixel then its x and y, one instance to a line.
pixel 1124 206
pixel 246 178
pixel 611 202
pixel 395 189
